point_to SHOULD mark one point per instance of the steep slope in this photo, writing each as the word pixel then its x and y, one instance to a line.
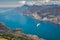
pixel 49 12
pixel 3 28
pixel 44 12
pixel 15 34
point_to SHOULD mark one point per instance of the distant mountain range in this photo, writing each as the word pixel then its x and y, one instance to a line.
pixel 49 12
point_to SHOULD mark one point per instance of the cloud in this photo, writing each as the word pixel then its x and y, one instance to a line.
pixel 40 2
pixel 12 4
pixel 30 3
pixel 54 0
pixel 21 3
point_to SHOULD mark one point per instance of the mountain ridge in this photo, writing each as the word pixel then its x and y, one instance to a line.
pixel 16 34
pixel 44 12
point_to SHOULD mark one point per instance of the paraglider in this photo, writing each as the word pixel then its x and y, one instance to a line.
pixel 38 25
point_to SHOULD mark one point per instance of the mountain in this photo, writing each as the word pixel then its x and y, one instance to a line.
pixel 43 12
pixel 25 17
pixel 50 12
pixel 15 34
pixel 3 28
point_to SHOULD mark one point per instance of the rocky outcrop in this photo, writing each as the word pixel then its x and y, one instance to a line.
pixel 15 34
pixel 3 28
pixel 44 12
pixel 34 37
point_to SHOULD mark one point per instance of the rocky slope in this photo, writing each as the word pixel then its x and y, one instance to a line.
pixel 15 34
pixel 50 12
pixel 44 12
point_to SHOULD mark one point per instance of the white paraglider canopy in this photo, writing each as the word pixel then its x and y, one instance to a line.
pixel 38 24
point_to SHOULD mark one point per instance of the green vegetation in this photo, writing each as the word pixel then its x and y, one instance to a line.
pixel 13 34
pixel 12 37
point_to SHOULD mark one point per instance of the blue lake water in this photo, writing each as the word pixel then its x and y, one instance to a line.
pixel 46 30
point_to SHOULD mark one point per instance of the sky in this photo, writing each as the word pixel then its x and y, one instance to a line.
pixel 19 3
